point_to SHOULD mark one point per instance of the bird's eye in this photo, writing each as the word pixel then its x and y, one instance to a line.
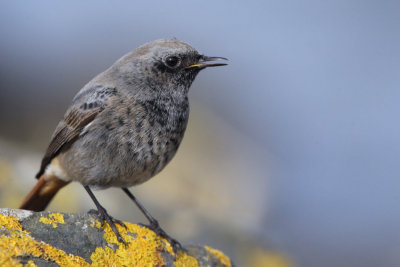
pixel 172 61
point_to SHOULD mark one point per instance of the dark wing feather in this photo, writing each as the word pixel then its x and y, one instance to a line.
pixel 84 110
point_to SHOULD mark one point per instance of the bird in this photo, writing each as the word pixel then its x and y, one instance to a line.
pixel 123 127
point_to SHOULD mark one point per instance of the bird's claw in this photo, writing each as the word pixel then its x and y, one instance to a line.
pixel 155 227
pixel 105 217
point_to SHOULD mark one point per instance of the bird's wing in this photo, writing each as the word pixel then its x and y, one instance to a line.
pixel 84 109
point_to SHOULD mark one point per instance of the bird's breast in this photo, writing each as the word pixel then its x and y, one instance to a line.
pixel 127 144
pixel 155 135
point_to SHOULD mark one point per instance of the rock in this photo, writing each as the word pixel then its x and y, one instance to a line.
pixel 61 239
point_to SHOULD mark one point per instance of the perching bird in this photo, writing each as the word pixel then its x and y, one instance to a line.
pixel 122 127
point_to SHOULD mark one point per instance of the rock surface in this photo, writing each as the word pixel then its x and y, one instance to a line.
pixel 59 239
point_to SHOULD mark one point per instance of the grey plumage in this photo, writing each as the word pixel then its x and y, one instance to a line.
pixel 124 126
pixel 135 114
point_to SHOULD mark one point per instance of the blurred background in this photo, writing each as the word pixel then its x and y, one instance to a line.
pixel 291 152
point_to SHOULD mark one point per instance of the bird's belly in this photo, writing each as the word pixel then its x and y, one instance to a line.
pixel 126 150
pixel 118 160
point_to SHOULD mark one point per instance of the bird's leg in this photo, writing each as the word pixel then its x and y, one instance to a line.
pixel 105 217
pixel 154 225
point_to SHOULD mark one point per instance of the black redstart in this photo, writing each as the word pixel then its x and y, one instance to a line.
pixel 123 127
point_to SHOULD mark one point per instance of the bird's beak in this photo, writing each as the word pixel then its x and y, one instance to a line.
pixel 204 62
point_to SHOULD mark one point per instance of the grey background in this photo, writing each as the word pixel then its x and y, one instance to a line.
pixel 312 85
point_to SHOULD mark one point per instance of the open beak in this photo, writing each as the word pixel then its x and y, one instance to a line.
pixel 205 62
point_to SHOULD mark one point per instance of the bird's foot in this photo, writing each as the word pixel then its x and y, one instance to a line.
pixel 155 227
pixel 105 217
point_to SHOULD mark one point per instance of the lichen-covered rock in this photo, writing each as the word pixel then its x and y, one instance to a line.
pixel 60 239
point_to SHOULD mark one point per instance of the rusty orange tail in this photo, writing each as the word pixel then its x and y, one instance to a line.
pixel 42 193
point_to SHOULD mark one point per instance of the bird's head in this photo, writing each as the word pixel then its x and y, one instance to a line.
pixel 166 65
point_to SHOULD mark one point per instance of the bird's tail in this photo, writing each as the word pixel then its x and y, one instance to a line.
pixel 42 193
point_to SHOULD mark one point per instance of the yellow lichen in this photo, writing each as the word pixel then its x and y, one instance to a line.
pixel 19 243
pixel 53 219
pixel 141 250
pixel 96 224
pixel 9 222
pixel 143 247
pixel 220 255
pixel 184 260
pixel 30 263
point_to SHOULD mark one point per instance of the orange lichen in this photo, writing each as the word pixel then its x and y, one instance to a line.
pixel 53 219
pixel 220 255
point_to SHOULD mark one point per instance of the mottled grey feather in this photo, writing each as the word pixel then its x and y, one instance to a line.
pixel 86 106
pixel 127 123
